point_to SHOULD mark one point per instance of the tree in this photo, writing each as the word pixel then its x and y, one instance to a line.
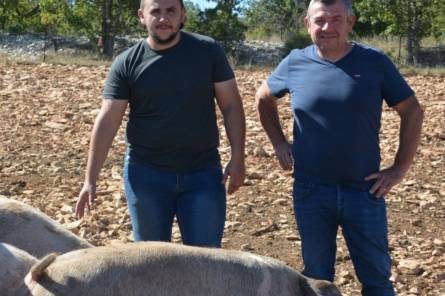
pixel 268 17
pixel 17 15
pixel 437 11
pixel 404 18
pixel 85 18
pixel 221 22
pixel 192 23
pixel 107 35
pixel 102 20
pixel 52 19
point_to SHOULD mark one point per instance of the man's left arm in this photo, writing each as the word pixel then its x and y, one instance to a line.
pixel 230 104
pixel 411 118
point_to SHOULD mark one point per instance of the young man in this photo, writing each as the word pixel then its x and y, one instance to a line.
pixel 337 89
pixel 172 166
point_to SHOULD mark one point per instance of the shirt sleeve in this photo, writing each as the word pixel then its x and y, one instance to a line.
pixel 277 81
pixel 117 85
pixel 395 88
pixel 222 71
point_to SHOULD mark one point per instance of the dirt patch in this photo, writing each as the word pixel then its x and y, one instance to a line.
pixel 47 113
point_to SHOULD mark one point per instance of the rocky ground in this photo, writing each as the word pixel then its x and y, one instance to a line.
pixel 31 47
pixel 47 112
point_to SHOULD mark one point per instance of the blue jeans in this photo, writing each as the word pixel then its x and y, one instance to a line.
pixel 320 209
pixel 198 200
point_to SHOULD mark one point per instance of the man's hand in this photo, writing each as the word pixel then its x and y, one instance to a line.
pixel 283 152
pixel 411 115
pixel 270 120
pixel 236 171
pixel 86 198
pixel 385 180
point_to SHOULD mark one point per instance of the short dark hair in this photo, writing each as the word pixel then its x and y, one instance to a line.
pixel 346 3
pixel 143 3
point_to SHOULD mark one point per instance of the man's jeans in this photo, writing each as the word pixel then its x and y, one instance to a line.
pixel 198 200
pixel 320 209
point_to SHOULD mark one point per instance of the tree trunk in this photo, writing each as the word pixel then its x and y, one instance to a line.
pixel 107 34
pixel 417 33
pixel 409 35
pixel 413 34
pixel 399 58
pixel 45 44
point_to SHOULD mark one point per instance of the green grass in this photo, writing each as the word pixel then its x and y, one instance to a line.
pixel 78 59
pixel 397 52
pixel 274 38
pixel 424 71
pixel 84 58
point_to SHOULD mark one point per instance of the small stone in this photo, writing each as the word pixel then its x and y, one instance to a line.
pixel 260 152
pixel 416 222
pixel 414 290
pixel 411 267
pixel 280 201
pixel 66 209
pixel 395 277
pixel 439 242
pixel 254 176
pixel 232 224
pixel 266 229
pixel 247 247
pixel 292 237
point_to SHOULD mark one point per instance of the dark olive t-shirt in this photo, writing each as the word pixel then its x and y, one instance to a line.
pixel 172 120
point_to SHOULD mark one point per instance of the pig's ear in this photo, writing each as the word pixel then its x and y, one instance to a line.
pixel 318 288
pixel 38 269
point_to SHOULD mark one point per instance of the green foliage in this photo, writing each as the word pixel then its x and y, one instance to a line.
pixel 228 21
pixel 192 21
pixel 221 23
pixel 17 15
pixel 395 17
pixel 270 17
pixel 295 40
pixel 437 11
pixel 52 15
pixel 405 18
pixel 85 18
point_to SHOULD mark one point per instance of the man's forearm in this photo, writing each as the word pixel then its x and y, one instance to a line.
pixel 269 118
pixel 409 137
pixel 102 136
pixel 234 122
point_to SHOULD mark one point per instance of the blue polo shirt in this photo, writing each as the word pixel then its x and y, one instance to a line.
pixel 337 110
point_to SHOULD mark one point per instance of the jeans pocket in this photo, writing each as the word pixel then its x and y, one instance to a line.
pixel 302 190
pixel 371 198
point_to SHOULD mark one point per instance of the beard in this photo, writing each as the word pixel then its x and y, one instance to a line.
pixel 167 40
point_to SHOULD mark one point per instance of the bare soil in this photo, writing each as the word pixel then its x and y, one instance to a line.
pixel 47 113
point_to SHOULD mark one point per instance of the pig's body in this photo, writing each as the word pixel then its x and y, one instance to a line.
pixel 155 269
pixel 14 265
pixel 29 229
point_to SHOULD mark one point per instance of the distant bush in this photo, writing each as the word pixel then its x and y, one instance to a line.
pixel 296 40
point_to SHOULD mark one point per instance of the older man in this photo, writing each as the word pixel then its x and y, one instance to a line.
pixel 172 168
pixel 337 88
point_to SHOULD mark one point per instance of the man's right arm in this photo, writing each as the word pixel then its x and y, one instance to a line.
pixel 270 120
pixel 105 128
